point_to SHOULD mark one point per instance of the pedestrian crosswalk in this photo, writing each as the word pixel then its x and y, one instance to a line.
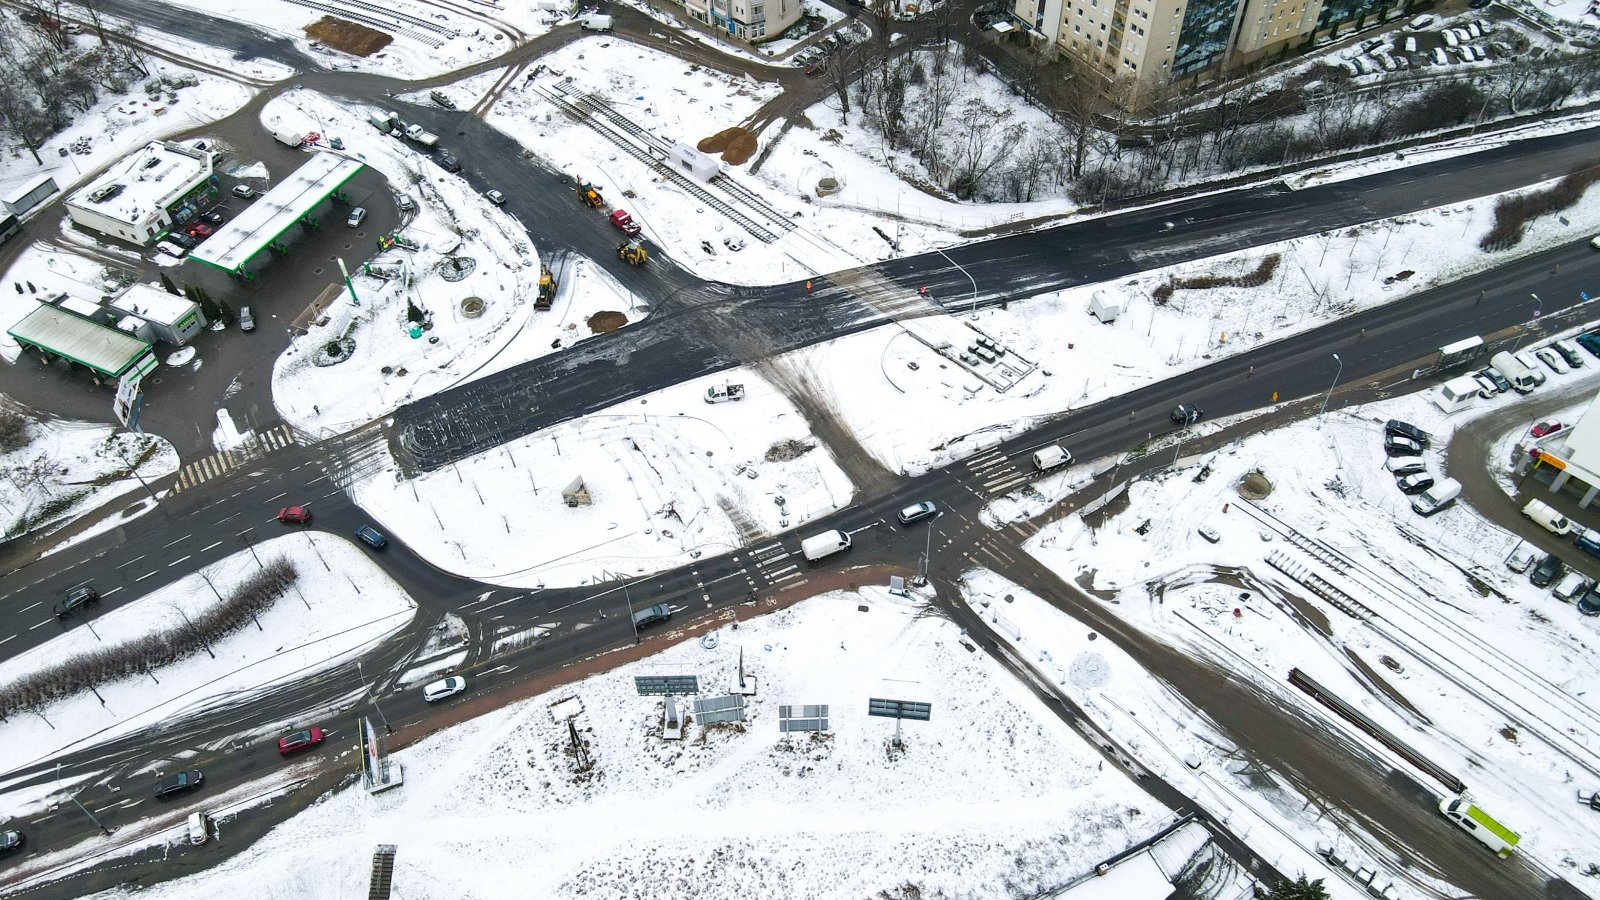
pixel 203 470
pixel 996 472
pixel 780 567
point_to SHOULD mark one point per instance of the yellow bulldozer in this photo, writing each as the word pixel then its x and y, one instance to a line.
pixel 547 288
pixel 589 194
pixel 634 253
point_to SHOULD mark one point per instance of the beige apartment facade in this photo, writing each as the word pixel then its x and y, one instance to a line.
pixel 746 20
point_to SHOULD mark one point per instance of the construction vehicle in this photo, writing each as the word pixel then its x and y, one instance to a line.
pixel 547 288
pixel 621 219
pixel 633 253
pixel 589 194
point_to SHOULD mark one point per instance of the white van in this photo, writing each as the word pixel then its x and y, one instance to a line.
pixel 596 22
pixel 1547 517
pixel 1047 458
pixel 1502 840
pixel 1437 498
pixel 825 544
pixel 199 828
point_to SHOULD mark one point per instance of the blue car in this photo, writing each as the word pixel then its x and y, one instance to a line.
pixel 1590 341
pixel 372 537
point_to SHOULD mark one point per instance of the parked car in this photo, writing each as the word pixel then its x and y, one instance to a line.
pixel 1547 571
pixel 495 197
pixel 1406 429
pixel 77 598
pixel 300 740
pixel 917 512
pixel 1589 603
pixel 1415 483
pixel 200 230
pixel 294 515
pixel 1521 558
pixel 447 687
pixel 1400 445
pixel 1553 360
pixel 357 216
pixel 1400 466
pixel 1186 414
pixel 171 249
pixel 372 537
pixel 182 240
pixel 1500 382
pixel 1547 427
pixel 213 218
pixel 1569 352
pixel 181 783
pixel 1589 341
pixel 1209 533
pixel 247 319
pixel 1532 365
pixel 1486 386
pixel 244 190
pixel 405 203
pixel 1570 587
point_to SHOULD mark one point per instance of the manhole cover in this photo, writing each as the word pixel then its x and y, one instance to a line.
pixel 1254 485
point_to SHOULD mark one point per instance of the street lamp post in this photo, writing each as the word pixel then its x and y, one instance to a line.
pixel 74 798
pixel 1327 396
pixel 1538 310
pixel 373 696
pixel 964 271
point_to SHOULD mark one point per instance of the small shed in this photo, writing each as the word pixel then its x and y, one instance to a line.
pixel 690 161
pixel 1105 306
pixel 576 493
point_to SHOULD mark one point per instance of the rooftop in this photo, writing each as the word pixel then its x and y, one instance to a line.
pixel 153 304
pixel 238 242
pixel 143 181
pixel 106 350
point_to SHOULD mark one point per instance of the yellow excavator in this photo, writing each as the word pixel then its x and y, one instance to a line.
pixel 589 194
pixel 547 288
pixel 634 253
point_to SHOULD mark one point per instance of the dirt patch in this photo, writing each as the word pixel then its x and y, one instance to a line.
pixel 735 144
pixel 606 321
pixel 783 451
pixel 347 36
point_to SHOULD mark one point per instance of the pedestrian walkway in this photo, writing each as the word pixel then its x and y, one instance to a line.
pixel 778 566
pixel 216 464
pixel 996 472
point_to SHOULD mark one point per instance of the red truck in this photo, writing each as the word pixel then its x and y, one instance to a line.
pixel 621 219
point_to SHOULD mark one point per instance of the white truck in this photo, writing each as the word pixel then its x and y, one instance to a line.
pixel 285 136
pixel 1474 821
pixel 425 138
pixel 722 393
pixel 1443 493
pixel 1515 372
pixel 825 544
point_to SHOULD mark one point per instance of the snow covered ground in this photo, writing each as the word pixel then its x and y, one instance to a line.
pixel 341 605
pixel 994 795
pixel 670 478
pixel 1483 672
pixel 70 467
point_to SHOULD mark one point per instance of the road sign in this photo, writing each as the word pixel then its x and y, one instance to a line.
pixel 899 709
pixel 668 685
pixel 729 708
pixel 803 718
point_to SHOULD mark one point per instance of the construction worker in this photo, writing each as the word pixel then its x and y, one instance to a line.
pixel 922 291
pixel 808 286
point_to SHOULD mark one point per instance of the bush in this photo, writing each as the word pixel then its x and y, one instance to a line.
pixel 13 431
pixel 1262 274
pixel 73 676
pixel 1512 214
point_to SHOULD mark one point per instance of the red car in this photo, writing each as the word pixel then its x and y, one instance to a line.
pixel 200 230
pixel 1549 426
pixel 300 740
pixel 294 515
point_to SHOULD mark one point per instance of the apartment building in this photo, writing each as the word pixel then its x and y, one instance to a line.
pixel 747 20
pixel 1139 46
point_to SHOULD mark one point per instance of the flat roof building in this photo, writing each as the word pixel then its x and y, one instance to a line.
pixel 170 318
pixel 55 332
pixel 145 194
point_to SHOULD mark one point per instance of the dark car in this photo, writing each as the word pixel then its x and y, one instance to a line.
pixel 77 599
pixel 1547 571
pixel 181 783
pixel 1415 483
pixel 1406 429
pixel 372 537
pixel 11 840
pixel 1499 380
pixel 1589 603
pixel 1186 414
pixel 658 613
pixel 917 512
pixel 213 218
pixel 1589 341
pixel 300 740
pixel 182 240
pixel 1400 445
pixel 449 162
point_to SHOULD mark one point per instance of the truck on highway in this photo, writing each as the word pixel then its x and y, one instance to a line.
pixel 1474 821
pixel 425 138
pixel 825 544
pixel 285 136
pixel 1520 376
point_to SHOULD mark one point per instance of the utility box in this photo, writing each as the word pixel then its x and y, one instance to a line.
pixel 1105 307
pixel 690 161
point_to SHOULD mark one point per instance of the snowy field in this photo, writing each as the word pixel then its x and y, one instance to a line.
pixel 1484 673
pixel 327 617
pixel 670 478
pixel 70 467
pixel 994 797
